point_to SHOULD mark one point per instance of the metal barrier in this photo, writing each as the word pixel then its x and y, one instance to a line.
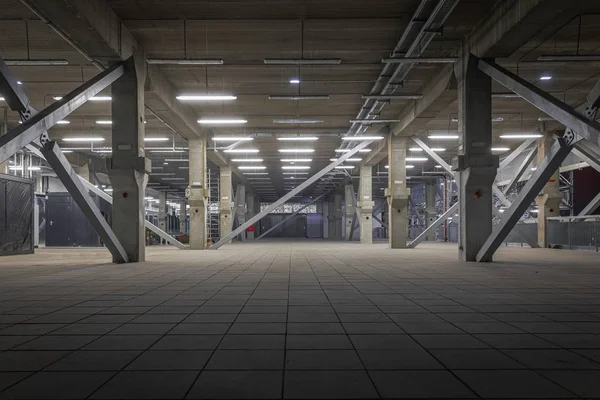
pixel 575 233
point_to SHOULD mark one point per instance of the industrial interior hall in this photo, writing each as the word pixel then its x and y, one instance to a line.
pixel 299 199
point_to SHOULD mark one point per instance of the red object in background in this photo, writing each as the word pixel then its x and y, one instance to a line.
pixel 250 228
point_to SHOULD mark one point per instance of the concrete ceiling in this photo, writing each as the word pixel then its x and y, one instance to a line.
pixel 244 33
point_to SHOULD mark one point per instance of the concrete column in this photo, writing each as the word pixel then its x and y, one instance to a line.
pixel 162 210
pixel 397 192
pixel 84 172
pixel 240 209
pixel 350 209
pixel 182 215
pixel 476 165
pixel 128 168
pixel 337 215
pixel 549 199
pixel 365 203
pixel 3 131
pixel 430 206
pixel 250 212
pixel 225 201
pixel 198 193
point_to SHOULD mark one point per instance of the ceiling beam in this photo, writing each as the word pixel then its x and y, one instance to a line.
pixel 510 25
pixel 93 28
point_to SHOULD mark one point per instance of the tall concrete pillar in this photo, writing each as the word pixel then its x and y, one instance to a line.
pixel 3 131
pixel 250 211
pixel 128 168
pixel 476 165
pixel 366 204
pixel 397 192
pixel 350 209
pixel 182 215
pixel 549 199
pixel 84 172
pixel 198 193
pixel 225 201
pixel 338 200
pixel 163 210
pixel 430 206
pixel 240 209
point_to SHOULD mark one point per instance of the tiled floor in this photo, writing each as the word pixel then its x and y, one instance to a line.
pixel 306 319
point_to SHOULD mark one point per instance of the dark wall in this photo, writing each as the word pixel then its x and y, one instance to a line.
pixel 16 215
pixel 586 187
pixel 67 226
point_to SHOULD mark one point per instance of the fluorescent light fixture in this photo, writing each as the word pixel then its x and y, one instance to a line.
pixel 243 167
pixel 102 151
pixel 533 169
pixel 534 211
pixel 392 97
pixel 406 166
pixel 545 77
pixel 418 60
pixel 361 138
pixel 218 97
pixel 302 61
pixel 296 159
pixel 156 139
pixel 35 63
pixel 57 98
pixel 373 121
pixel 443 137
pixel 1 98
pixel 232 121
pixel 294 81
pixel 241 151
pixel 177 160
pixel 522 136
pixel 108 190
pixel 184 61
pixel 232 139
pixel 500 149
pixel 347 159
pixel 347 150
pixel 345 167
pixel 18 168
pixel 295 167
pixel 298 138
pixel 256 173
pixel 300 97
pixel 19 83
pixel 294 173
pixel 247 160
pixel 508 95
pixel 497 119
pixel 297 121
pixel 63 122
pixel 438 166
pixel 104 122
pixel 184 167
pixel 416 159
pixel 173 179
pixel 101 98
pixel 83 139
pixel 67 151
pixel 296 150
pixel 543 119
pixel 436 149
pixel 168 151
pixel 162 174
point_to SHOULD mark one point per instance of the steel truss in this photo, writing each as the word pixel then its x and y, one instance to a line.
pixel 582 131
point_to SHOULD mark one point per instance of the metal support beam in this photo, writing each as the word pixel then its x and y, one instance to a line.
pixel 313 201
pixel 521 170
pixel 591 207
pixel 565 114
pixel 516 153
pixel 71 181
pixel 36 124
pixel 557 154
pixel 307 183
pixel 434 225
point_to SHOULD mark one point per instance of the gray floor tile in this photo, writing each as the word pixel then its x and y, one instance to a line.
pixel 398 359
pixel 200 329
pixel 253 342
pixel 246 360
pixel 258 328
pixel 551 359
pixel 171 360
pixel 328 385
pixel 10 378
pixel 419 385
pixel 103 360
pixel 237 385
pixel 316 342
pixel 147 385
pixel 28 360
pixel 123 342
pixel 324 328
pixel 57 385
pixel 463 341
pixel 322 360
pixel 583 383
pixel 187 342
pixel 477 359
pixel 511 384
pixel 50 342
pixel 382 342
